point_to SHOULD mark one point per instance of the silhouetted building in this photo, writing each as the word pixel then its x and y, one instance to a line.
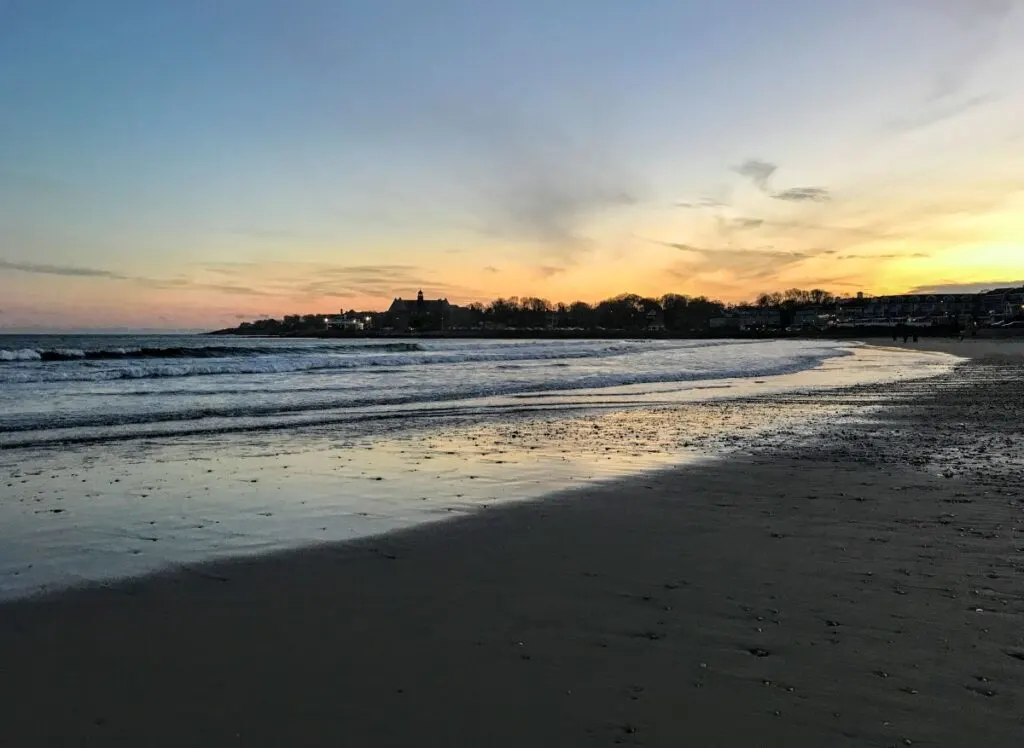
pixel 759 318
pixel 421 314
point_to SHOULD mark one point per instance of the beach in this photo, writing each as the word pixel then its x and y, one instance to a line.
pixel 861 588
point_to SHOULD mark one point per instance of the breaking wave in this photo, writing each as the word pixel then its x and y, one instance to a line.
pixel 221 361
pixel 269 415
pixel 205 351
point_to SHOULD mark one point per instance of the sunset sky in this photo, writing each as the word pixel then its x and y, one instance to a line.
pixel 190 163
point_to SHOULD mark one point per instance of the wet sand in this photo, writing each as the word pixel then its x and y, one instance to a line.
pixel 973 348
pixel 864 591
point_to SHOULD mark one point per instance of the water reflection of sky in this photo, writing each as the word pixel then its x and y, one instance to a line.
pixel 125 508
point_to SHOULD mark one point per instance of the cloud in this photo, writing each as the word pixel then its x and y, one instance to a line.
pixel 842 281
pixel 264 233
pixel 227 268
pixel 747 223
pixel 757 171
pixel 549 271
pixel 804 194
pixel 761 172
pixel 976 26
pixel 188 284
pixel 704 202
pixel 526 179
pixel 935 112
pixel 915 213
pixel 336 281
pixel 973 33
pixel 69 271
pixel 65 270
pixel 491 269
pixel 735 253
pixel 740 264
pixel 888 256
pixel 954 287
pixel 868 231
pixel 539 206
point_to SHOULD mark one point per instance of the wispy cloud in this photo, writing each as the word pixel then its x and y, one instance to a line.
pixel 549 271
pixel 973 32
pixel 70 271
pixel 935 112
pixel 65 270
pixel 747 223
pixel 955 287
pixel 528 180
pixel 737 254
pixel 739 264
pixel 267 233
pixel 804 194
pixel 760 173
pixel 976 27
pixel 868 230
pixel 192 285
pixel 341 281
pixel 757 171
pixel 702 203
pixel 885 256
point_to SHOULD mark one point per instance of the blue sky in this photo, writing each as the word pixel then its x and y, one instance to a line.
pixel 178 162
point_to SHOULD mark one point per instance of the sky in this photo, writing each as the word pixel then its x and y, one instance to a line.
pixel 190 164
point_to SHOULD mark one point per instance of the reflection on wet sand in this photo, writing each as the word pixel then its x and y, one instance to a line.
pixel 124 508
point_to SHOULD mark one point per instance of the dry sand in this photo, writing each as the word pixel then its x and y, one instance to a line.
pixel 865 592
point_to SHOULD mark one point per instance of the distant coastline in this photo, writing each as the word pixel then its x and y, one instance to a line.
pixel 845 333
pixel 796 313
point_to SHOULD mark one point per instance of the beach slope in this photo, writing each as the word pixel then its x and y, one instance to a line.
pixel 839 595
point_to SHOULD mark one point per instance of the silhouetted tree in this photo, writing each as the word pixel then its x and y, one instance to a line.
pixel 582 315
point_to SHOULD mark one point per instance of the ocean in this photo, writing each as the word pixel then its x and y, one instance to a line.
pixel 120 455
pixel 89 388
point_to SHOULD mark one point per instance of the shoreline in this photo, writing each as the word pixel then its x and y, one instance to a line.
pixel 871 601
pixel 839 335
pixel 73 520
pixel 968 348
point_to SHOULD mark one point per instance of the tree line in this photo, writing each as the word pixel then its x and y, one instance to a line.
pixel 672 312
pixel 622 312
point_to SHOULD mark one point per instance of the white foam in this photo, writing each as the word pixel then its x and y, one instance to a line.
pixel 24 354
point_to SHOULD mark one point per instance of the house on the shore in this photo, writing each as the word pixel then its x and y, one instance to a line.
pixel 814 317
pixel 1003 304
pixel 348 324
pixel 747 318
pixel 351 321
pixel 759 318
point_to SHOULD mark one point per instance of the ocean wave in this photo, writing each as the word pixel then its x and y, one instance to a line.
pixel 393 356
pixel 200 351
pixel 23 354
pixel 196 420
